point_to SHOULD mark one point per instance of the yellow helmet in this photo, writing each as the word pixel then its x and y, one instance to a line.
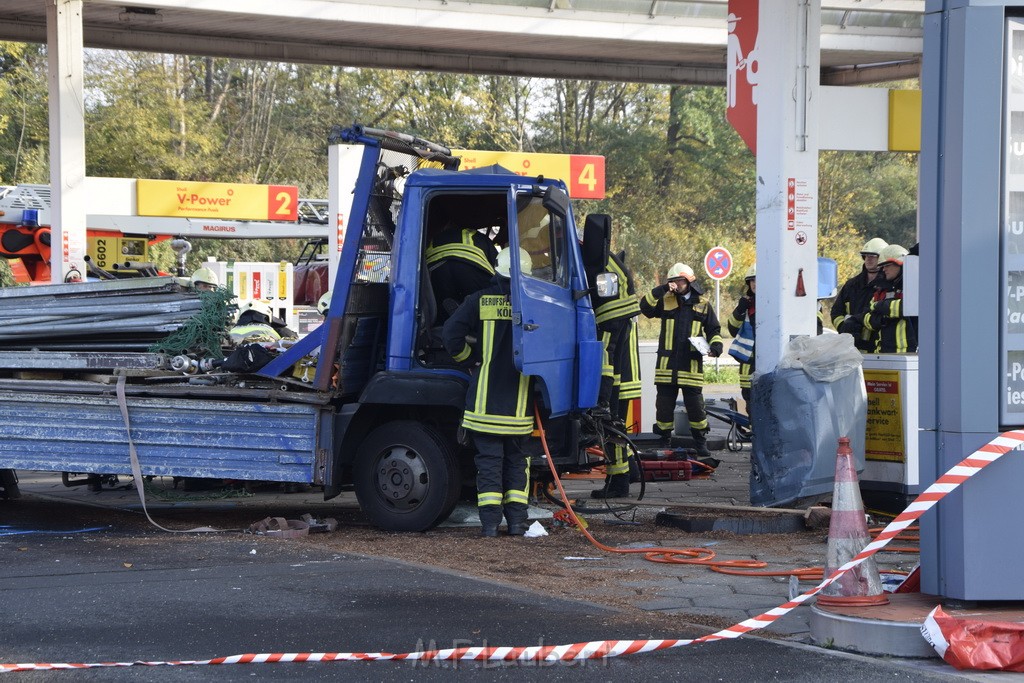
pixel 504 262
pixel 751 273
pixel 875 245
pixel 681 271
pixel 893 253
pixel 205 276
pixel 324 303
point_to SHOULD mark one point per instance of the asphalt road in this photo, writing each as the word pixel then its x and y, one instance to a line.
pixel 128 592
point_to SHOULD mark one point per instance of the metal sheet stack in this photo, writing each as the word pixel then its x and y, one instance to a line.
pixel 115 315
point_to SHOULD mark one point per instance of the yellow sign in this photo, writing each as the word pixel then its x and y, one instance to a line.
pixel 227 201
pixel 582 173
pixel 884 438
pixel 106 250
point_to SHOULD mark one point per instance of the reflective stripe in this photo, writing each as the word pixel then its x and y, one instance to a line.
pixel 515 497
pixel 480 405
pixel 463 354
pixel 666 425
pixel 620 308
pixel 465 250
pixel 703 424
pixel 522 400
pixel 669 334
pixel 488 498
pixel 491 424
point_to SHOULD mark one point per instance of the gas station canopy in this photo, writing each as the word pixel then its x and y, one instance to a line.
pixel 661 41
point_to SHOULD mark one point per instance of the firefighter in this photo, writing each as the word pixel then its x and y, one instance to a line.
pixel 498 411
pixel 460 261
pixel 745 310
pixel 205 280
pixel 855 297
pixel 616 325
pixel 680 364
pixel 256 323
pixel 894 333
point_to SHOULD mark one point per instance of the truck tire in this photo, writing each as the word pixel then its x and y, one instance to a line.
pixel 406 476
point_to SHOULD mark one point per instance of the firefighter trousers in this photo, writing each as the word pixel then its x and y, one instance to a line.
pixel 502 478
pixel 665 406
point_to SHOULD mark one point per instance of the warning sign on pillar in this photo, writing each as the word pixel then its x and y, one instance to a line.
pixel 800 206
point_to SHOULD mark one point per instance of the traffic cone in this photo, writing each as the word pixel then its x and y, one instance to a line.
pixel 847 536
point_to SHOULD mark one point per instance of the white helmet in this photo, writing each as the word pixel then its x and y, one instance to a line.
pixel 504 262
pixel 258 306
pixel 893 253
pixel 681 271
pixel 324 303
pixel 875 245
pixel 205 276
pixel 751 273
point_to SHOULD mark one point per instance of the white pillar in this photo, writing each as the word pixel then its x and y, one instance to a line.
pixel 67 140
pixel 343 162
pixel 787 58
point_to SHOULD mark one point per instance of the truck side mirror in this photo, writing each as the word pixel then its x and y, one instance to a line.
pixel 607 285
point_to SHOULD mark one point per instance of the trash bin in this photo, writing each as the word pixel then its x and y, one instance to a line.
pixel 799 410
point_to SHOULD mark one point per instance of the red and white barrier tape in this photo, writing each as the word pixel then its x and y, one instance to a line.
pixel 599 649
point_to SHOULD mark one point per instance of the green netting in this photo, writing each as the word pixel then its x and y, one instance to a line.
pixel 206 332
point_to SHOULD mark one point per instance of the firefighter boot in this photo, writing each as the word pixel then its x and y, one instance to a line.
pixel 635 475
pixel 664 435
pixel 490 518
pixel 615 486
pixel 700 444
pixel 517 517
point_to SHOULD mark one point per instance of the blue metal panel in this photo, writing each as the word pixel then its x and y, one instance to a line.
pixel 173 437
pixel 964 553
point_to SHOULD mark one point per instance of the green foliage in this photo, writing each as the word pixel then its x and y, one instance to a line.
pixel 725 374
pixel 679 179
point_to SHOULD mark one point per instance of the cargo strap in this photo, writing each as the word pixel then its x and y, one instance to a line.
pixel 122 404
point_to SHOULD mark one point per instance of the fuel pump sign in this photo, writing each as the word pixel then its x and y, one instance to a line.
pixel 1011 341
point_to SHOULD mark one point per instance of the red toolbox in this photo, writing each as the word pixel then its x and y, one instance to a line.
pixel 667 470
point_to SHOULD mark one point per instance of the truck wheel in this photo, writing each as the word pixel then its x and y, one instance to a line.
pixel 406 477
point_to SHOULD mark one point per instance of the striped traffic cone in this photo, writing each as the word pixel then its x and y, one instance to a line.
pixel 847 536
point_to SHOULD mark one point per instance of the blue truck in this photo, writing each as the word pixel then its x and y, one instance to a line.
pixel 382 413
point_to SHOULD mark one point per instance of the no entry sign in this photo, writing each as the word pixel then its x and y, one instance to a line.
pixel 718 263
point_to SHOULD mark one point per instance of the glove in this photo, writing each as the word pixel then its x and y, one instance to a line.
pixel 852 324
pixel 716 350
pixel 742 306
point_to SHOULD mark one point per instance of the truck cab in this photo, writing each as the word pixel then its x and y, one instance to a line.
pixel 399 395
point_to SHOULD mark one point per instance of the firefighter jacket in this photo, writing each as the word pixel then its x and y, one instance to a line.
pixel 616 328
pixel 460 263
pixel 498 402
pixel 895 333
pixel 623 305
pixel 679 363
pixel 854 298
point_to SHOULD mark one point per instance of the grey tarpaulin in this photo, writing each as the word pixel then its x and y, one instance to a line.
pixel 799 410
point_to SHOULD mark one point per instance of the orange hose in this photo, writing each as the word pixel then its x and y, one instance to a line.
pixel 698 556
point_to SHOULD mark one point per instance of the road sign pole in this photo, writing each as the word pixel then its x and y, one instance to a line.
pixel 718 307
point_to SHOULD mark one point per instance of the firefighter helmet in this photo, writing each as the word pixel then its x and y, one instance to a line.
pixel 324 303
pixel 504 262
pixel 893 253
pixel 205 276
pixel 875 245
pixel 257 306
pixel 751 273
pixel 681 271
